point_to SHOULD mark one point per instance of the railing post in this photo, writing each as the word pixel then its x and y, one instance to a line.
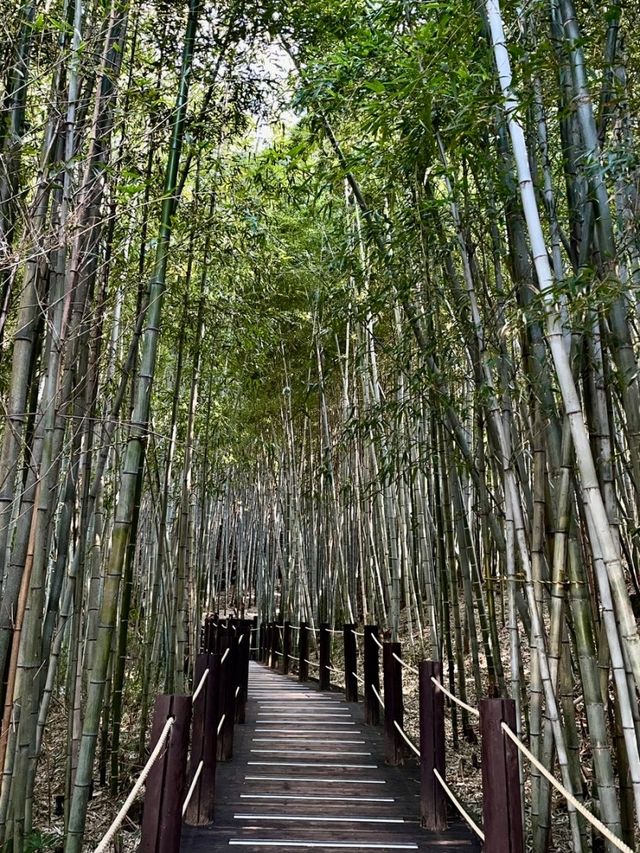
pixel 303 652
pixel 393 706
pixel 350 663
pixel 203 741
pixel 433 800
pixel 324 676
pixel 244 653
pixel 209 645
pixel 261 641
pixel 286 647
pixel 501 795
pixel 227 700
pixel 253 645
pixel 371 672
pixel 273 657
pixel 165 789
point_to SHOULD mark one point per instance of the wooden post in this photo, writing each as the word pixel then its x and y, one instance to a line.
pixel 324 676
pixel 209 645
pixel 303 652
pixel 393 706
pixel 267 643
pixel 243 653
pixel 262 639
pixel 203 741
pixel 371 671
pixel 253 645
pixel 433 800
pixel 501 796
pixel 273 657
pixel 165 788
pixel 350 663
pixel 286 647
pixel 227 701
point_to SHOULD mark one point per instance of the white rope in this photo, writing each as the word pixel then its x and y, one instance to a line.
pixel 455 699
pixel 357 633
pixel 278 653
pixel 456 802
pixel 376 641
pixel 198 689
pixel 295 627
pixel 333 669
pixel 115 826
pixel 356 676
pixel 224 656
pixel 242 636
pixel 309 628
pixel 221 723
pixel 405 736
pixel 192 788
pixel 333 631
pixel 378 696
pixel 238 689
pixel 311 663
pixel 280 627
pixel 405 664
pixel 602 829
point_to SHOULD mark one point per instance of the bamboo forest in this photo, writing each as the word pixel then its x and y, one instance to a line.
pixel 327 312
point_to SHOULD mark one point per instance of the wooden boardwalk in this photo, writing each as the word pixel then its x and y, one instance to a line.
pixel 307 774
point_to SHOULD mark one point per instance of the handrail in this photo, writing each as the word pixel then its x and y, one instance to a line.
pixel 465 814
pixel 405 664
pixel 106 839
pixel 377 695
pixel 220 723
pixel 201 684
pixel 407 738
pixel 192 788
pixel 357 677
pixel 593 820
pixel 454 698
pixel 376 641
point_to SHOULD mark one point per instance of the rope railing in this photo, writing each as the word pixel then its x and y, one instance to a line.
pixel 119 818
pixel 377 695
pixel 454 698
pixel 357 677
pixel 357 633
pixel 406 738
pixel 465 814
pixel 224 656
pixel 221 723
pixel 597 824
pixel 376 641
pixel 192 788
pixel 404 664
pixel 312 663
pixel 200 686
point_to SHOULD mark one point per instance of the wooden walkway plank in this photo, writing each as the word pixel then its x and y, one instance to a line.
pixel 308 774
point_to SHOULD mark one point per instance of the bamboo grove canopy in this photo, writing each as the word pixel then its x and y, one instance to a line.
pixel 329 310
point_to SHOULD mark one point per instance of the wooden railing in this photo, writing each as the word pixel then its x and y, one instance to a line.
pixel 180 781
